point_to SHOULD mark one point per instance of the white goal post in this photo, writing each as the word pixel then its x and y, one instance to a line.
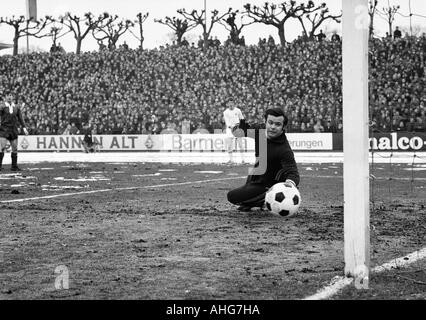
pixel 355 22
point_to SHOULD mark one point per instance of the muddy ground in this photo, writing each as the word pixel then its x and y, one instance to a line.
pixel 162 237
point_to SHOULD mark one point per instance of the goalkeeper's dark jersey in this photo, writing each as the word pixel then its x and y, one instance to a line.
pixel 279 158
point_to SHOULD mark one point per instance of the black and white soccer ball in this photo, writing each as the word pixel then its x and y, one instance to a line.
pixel 283 199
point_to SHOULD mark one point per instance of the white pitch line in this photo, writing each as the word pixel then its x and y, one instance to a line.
pixel 401 262
pixel 375 178
pixel 338 283
pixel 179 183
pixel 57 196
pixel 119 189
pixel 207 157
pixel 146 187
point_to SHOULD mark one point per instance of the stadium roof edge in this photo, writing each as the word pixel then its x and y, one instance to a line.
pixel 5 45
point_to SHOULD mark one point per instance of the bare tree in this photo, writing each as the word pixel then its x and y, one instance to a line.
pixel 141 18
pixel 234 30
pixel 200 19
pixel 75 24
pixel 26 27
pixel 179 26
pixel 372 8
pixel 316 15
pixel 110 30
pixel 56 33
pixel 388 14
pixel 277 15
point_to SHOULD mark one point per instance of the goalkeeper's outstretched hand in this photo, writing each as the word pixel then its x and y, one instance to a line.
pixel 290 183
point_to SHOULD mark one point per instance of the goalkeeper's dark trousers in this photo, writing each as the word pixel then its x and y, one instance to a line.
pixel 249 195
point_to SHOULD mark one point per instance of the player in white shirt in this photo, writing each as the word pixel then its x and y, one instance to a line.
pixel 232 116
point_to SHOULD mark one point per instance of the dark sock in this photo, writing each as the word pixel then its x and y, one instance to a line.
pixel 14 160
pixel 1 158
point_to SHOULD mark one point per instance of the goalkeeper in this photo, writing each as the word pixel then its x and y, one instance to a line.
pixel 274 161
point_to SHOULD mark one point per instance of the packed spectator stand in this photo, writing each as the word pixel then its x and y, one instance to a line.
pixel 159 90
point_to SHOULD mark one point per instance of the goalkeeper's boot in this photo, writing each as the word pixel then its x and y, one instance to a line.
pixel 244 208
pixel 260 205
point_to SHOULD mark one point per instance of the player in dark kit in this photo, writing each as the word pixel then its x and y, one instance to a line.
pixel 10 120
pixel 279 158
pixel 88 139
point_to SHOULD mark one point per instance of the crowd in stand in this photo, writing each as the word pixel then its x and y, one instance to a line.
pixel 397 77
pixel 175 87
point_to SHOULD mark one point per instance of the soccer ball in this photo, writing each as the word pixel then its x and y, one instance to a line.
pixel 283 200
